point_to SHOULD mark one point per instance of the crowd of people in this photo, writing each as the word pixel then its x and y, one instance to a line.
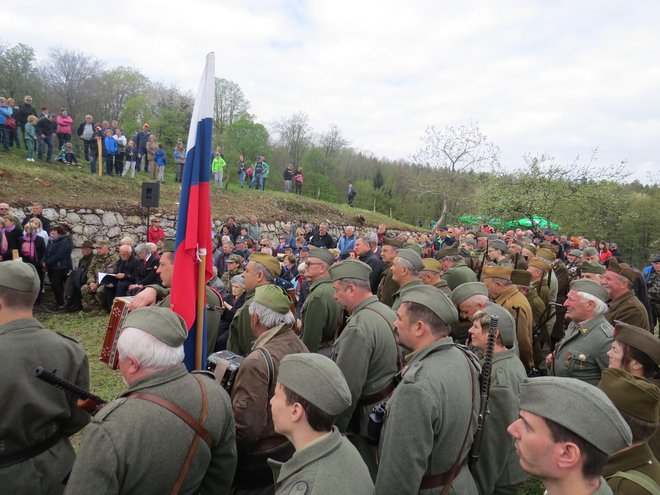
pixel 362 360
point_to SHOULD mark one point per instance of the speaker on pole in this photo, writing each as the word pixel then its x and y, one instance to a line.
pixel 150 194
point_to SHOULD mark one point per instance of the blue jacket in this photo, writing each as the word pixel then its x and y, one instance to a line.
pixel 345 245
pixel 110 145
pixel 59 253
pixel 646 272
pixel 5 111
pixel 159 156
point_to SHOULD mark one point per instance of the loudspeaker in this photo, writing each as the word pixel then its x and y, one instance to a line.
pixel 150 194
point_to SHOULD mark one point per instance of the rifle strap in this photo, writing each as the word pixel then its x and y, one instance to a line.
pixel 271 369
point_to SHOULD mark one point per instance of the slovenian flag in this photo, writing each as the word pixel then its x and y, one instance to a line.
pixel 193 232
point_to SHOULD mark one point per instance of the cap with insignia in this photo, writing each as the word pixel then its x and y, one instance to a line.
pixel 506 325
pixel 521 277
pixel 323 255
pixel 537 263
pixel 590 287
pixel 468 289
pixel 546 254
pixel 632 395
pixel 431 265
pixel 393 241
pixel 270 262
pixel 20 276
pixel 575 252
pixel 589 267
pixel 496 272
pixel 447 251
pixel 577 406
pixel 350 269
pixel 639 338
pixel 87 244
pixel 168 245
pixel 273 297
pixel 498 244
pixel 432 298
pixel 624 271
pixel 162 323
pixel 412 257
pixel 317 379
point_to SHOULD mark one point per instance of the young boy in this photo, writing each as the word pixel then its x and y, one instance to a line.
pixel 30 137
pixel 130 153
pixel 110 151
pixel 218 168
pixel 160 162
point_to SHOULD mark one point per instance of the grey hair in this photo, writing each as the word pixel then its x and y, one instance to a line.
pixel 263 270
pixel 477 299
pixel 149 352
pixel 237 279
pixel 270 318
pixel 357 282
pixel 600 307
pixel 372 238
pixel 142 249
pixel 407 264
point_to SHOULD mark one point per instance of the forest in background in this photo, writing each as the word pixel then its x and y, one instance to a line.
pixel 455 172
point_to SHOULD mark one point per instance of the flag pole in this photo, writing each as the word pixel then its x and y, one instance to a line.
pixel 201 292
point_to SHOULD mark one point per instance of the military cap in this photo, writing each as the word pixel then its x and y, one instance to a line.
pixel 447 251
pixel 521 277
pixel 577 406
pixel 168 245
pixel 498 244
pixel 548 232
pixel 235 258
pixel 415 247
pixel 589 267
pixel 546 254
pixel 530 247
pixel 411 256
pixel 273 297
pixel 270 262
pixel 639 338
pixel 87 244
pixel 323 255
pixel 656 259
pixel 590 251
pixel 465 253
pixel 590 287
pixel 470 241
pixel 575 252
pixel 537 263
pixel 432 298
pixel 317 379
pixel 624 271
pixel 630 394
pixel 350 269
pixel 506 325
pixel 431 265
pixel 241 240
pixel 492 237
pixel 20 276
pixel 162 323
pixel 101 242
pixel 393 241
pixel 468 289
pixel 496 272
pixel 482 234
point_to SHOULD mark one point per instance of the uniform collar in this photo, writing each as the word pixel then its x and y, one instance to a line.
pixel 268 335
pixel 155 379
pixel 323 280
pixel 626 460
pixel 20 324
pixel 425 351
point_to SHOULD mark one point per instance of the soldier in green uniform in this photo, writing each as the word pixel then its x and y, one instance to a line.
pixel 431 275
pixel 498 469
pixel 235 267
pixel 523 279
pixel 310 393
pixel 565 433
pixel 497 251
pixel 93 294
pixel 456 272
pixel 160 295
pixel 592 271
pixel 405 272
pixel 321 317
pixel 582 353
pixel 624 304
pixel 635 470
pixel 468 298
pixel 387 287
pixel 366 352
pixel 140 443
pixel 432 414
pixel 37 419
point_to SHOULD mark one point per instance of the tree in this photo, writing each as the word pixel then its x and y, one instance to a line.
pixel 18 74
pixel 119 85
pixel 332 141
pixel 454 151
pixel 230 104
pixel 247 138
pixel 379 180
pixel 294 133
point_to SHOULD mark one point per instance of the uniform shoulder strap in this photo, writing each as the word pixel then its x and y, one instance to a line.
pixel 271 369
pixel 639 478
pixel 393 331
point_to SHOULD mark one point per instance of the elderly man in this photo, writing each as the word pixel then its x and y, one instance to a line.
pixel 387 286
pixel 37 419
pixel 624 304
pixel 565 433
pixel 311 391
pixel 405 272
pixel 455 271
pixel 592 271
pixel 321 317
pixel 432 414
pixel 363 248
pixel 126 270
pixel 182 421
pixel 273 325
pixel 346 242
pixel 77 278
pixel 470 298
pixel 431 275
pixel 147 272
pixel 37 212
pixel 93 292
pixel 366 352
pixel 322 238
pixel 582 353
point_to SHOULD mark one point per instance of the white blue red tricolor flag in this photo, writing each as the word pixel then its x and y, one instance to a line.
pixel 193 232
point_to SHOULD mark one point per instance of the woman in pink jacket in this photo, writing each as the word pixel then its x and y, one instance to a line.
pixel 64 128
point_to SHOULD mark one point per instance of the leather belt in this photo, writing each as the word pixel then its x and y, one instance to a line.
pixel 30 452
pixel 436 480
pixel 367 400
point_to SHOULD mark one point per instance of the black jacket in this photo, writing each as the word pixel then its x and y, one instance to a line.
pixel 58 256
pixel 377 267
pixel 147 271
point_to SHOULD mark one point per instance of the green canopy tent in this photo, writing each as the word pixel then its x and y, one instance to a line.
pixel 478 220
pixel 540 223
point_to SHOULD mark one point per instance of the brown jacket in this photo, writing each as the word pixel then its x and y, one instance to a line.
pixel 512 298
pixel 628 309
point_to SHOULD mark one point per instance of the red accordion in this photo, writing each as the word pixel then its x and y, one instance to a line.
pixel 109 352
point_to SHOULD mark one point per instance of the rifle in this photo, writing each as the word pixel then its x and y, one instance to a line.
pixel 486 369
pixel 72 388
pixel 559 308
pixel 483 261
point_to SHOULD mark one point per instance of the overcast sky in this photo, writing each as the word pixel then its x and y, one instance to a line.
pixel 557 77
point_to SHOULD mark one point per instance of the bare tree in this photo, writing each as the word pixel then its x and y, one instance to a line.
pixel 230 103
pixel 332 141
pixel 118 85
pixel 294 133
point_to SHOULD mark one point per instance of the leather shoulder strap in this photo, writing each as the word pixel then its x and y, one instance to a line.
pixel 639 478
pixel 393 331
pixel 271 368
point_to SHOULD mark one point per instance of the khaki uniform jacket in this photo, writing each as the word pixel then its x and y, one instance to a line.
pixel 33 410
pixel 330 465
pixel 387 287
pixel 499 465
pixel 366 352
pixel 397 294
pixel 443 286
pixel 135 446
pixel 428 416
pixel 241 335
pixel 628 309
pixel 538 315
pixel 582 353
pixel 104 264
pixel 512 298
pixel 321 315
pixel 459 274
pixel 638 458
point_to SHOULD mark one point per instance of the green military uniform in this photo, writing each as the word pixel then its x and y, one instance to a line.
pixel 34 412
pixel 241 335
pixel 227 276
pixel 639 459
pixel 459 274
pixel 100 264
pixel 428 415
pixel 321 316
pixel 329 465
pixel 444 288
pixel 397 295
pixel 582 353
pixel 538 315
pixel 628 309
pixel 498 470
pixel 136 446
pixel 387 287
